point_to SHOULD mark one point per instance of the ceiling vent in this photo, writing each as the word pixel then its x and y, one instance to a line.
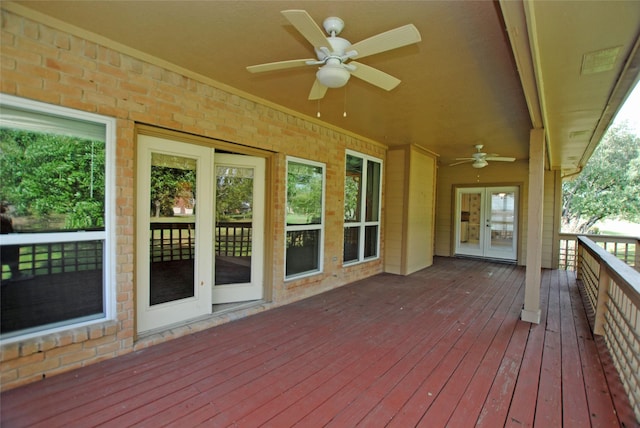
pixel 599 61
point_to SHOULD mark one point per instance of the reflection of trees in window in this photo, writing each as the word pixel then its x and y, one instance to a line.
pixel 361 208
pixel 234 193
pixel 352 188
pixel 52 181
pixel 171 187
pixel 304 238
pixel 304 194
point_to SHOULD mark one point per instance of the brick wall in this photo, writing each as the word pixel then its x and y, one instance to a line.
pixel 43 63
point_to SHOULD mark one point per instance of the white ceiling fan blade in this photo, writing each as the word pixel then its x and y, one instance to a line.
pixel 317 90
pixel 386 41
pixel 500 158
pixel 306 26
pixel 278 65
pixel 374 76
pixel 465 159
pixel 460 163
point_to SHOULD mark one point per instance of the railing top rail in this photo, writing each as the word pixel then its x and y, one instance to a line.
pixel 624 275
pixel 234 223
pixel 187 225
pixel 175 226
pixel 599 238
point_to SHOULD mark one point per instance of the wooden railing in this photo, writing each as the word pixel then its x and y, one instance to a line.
pixel 175 241
pixel 233 238
pixel 626 248
pixel 172 241
pixel 57 257
pixel 613 291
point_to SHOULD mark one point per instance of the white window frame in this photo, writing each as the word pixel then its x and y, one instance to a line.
pixel 362 224
pixel 295 228
pixel 107 236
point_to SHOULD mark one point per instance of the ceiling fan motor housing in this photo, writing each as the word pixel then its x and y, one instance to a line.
pixel 333 73
pixel 339 47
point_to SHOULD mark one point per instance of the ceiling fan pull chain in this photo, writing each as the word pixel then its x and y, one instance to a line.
pixel 318 113
pixel 344 114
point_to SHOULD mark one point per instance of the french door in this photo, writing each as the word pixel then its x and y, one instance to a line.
pixel 239 226
pixel 486 221
pixel 198 242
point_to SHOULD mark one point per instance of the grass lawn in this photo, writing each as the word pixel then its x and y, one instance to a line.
pixel 618 227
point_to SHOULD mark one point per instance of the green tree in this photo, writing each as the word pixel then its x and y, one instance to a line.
pixel 608 186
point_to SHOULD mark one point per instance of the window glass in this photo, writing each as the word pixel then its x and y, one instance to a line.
pixel 52 182
pixel 351 243
pixel 53 193
pixel 303 251
pixel 370 241
pixel 373 191
pixel 304 219
pixel 304 194
pixel 353 189
pixel 361 217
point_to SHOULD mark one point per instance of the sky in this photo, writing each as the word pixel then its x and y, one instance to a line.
pixel 630 111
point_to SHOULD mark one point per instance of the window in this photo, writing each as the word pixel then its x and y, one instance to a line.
pixel 362 193
pixel 305 207
pixel 55 185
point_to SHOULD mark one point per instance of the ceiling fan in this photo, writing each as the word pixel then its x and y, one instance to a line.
pixel 334 54
pixel 480 159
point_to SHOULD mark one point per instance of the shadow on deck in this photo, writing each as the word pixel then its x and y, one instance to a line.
pixel 441 347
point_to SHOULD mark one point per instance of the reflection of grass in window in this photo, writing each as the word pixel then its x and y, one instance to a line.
pixel 297 219
pixel 58 258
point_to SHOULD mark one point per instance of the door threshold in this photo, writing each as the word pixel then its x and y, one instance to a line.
pixel 221 308
pixel 487 259
pixel 219 316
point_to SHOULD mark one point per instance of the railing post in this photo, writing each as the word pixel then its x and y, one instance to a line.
pixel 603 298
pixel 578 259
pixel 637 259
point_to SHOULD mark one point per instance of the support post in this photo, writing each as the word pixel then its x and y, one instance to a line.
pixel 531 311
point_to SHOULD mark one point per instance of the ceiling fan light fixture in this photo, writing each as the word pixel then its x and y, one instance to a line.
pixel 333 75
pixel 480 163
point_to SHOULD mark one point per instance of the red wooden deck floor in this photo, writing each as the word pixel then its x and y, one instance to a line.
pixel 442 347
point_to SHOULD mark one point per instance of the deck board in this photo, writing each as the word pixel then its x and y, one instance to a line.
pixel 573 392
pixel 441 347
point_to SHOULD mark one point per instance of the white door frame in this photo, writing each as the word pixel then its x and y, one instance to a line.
pixel 150 317
pixel 479 227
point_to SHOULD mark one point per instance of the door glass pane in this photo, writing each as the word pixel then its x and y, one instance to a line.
pixel 234 219
pixel 470 216
pixel 502 219
pixel 352 189
pixel 172 226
